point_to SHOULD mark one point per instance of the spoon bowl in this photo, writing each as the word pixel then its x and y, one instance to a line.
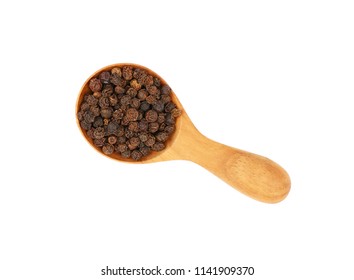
pixel 253 175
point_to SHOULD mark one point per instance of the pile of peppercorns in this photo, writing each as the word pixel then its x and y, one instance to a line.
pixel 128 111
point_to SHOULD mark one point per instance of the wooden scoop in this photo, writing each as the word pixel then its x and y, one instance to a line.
pixel 251 174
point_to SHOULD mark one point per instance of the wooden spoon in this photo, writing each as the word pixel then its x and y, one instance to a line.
pixel 251 174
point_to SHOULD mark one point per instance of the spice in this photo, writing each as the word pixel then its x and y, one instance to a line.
pixel 129 112
pixel 95 84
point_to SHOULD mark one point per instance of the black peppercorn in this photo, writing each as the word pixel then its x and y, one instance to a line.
pixel 99 142
pixel 107 90
pixel 121 148
pixel 145 150
pixel 117 71
pixel 106 112
pixel 98 122
pixel 144 106
pixel 128 111
pixel 89 117
pixel 131 92
pixel 107 149
pixel 104 77
pixel 151 116
pixel 136 155
pixel 103 102
pixel 91 100
pixel 165 89
pixel 112 139
pixel 95 85
pixel 98 133
pixel 153 127
pixel 127 72
pixel 95 110
pixel 158 146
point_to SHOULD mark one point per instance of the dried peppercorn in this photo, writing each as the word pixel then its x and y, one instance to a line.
pixel 158 146
pixel 98 133
pixel 89 117
pixel 153 127
pixel 128 111
pixel 95 85
pixel 150 141
pixel 98 122
pixel 133 143
pixel 126 154
pixel 142 94
pixel 143 125
pixel 165 98
pixel 85 125
pixel 132 114
pixel 136 155
pixel 127 72
pixel 91 100
pixel 90 133
pixel 161 118
pixel 99 142
pixel 105 77
pixel 145 150
pixel 116 71
pixel 135 103
pixel 138 72
pixel 162 126
pixel 162 136
pixel 119 89
pixel 107 90
pixel 170 120
pixel 115 79
pixel 135 84
pixel 112 128
pixel 103 102
pixel 176 113
pixel 165 89
pixel 113 100
pixel 152 90
pixel 118 114
pixel 80 115
pixel 151 116
pixel 148 80
pixel 143 136
pixel 125 121
pixel 84 106
pixel 128 133
pixel 97 94
pixel 108 149
pixel 120 148
pixel 169 107
pixel 131 92
pixel 157 82
pixel 125 100
pixel 122 139
pixel 107 112
pixel 133 126
pixel 144 106
pixel 112 139
pixel 158 106
pixel 151 99
pixel 95 110
pixel 120 133
pixel 169 129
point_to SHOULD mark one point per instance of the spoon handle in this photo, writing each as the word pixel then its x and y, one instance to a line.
pixel 251 174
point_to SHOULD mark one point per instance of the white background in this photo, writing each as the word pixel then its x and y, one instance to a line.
pixel 271 77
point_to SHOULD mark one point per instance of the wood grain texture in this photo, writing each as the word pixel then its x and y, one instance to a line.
pixel 253 175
